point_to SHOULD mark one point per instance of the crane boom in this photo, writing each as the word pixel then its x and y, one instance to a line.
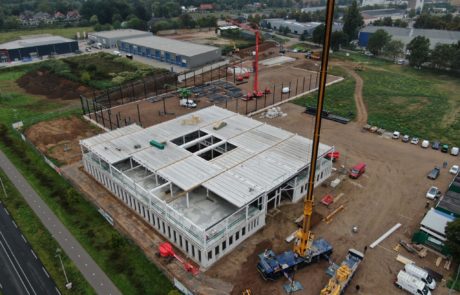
pixel 304 235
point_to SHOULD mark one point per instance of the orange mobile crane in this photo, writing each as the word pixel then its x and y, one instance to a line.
pixel 306 249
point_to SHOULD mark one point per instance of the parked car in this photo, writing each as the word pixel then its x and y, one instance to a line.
pixel 188 103
pixel 117 53
pixel 436 145
pixel 445 148
pixel 414 140
pixel 454 151
pixel 434 173
pixel 454 169
pixel 357 170
pixel 425 143
pixel 396 135
pixel 88 49
pixel 405 138
pixel 433 193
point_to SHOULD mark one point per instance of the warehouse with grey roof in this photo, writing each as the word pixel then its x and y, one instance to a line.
pixel 184 54
pixel 109 39
pixel 36 46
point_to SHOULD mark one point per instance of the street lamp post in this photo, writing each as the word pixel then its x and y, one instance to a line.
pixel 68 284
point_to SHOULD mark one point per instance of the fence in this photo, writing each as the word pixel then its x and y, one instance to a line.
pixel 160 90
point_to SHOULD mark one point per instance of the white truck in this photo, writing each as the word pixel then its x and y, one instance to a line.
pixel 420 274
pixel 188 103
pixel 411 284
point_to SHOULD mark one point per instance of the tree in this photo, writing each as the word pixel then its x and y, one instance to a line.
pixel 338 39
pixel 136 23
pixel 453 238
pixel 286 30
pixel 387 21
pixel 412 13
pixel 318 34
pixel 443 55
pixel 11 22
pixel 419 49
pixel 93 19
pixel 393 49
pixel 377 41
pixel 352 21
pixel 187 21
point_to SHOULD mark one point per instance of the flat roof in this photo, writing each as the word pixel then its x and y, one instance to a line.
pixel 123 33
pixel 263 156
pixel 35 41
pixel 436 221
pixel 171 45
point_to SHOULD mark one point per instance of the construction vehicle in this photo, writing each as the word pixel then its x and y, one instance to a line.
pixel 166 250
pixel 306 248
pixel 342 275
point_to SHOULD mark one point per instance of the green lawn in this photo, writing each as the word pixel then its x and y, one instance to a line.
pixel 339 97
pixel 414 102
pixel 420 103
pixel 64 32
pixel 42 242
pixel 124 262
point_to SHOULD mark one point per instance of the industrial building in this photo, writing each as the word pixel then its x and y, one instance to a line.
pixel 36 46
pixel 377 14
pixel 405 35
pixel 184 54
pixel 205 180
pixel 109 39
pixel 295 27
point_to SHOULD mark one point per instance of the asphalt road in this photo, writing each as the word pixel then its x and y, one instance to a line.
pixel 90 270
pixel 21 273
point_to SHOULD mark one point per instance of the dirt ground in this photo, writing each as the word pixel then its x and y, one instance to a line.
pixel 59 139
pixel 274 78
pixel 51 86
pixel 391 191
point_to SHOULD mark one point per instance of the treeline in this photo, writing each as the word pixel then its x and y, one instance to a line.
pixel 443 56
pixel 443 22
pixel 184 21
pixel 389 22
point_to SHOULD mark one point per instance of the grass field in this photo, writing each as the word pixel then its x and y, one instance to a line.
pixel 339 97
pixel 64 32
pixel 420 103
pixel 124 262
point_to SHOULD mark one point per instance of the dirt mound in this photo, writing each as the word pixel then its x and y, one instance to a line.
pixel 50 85
pixel 59 139
pixel 266 49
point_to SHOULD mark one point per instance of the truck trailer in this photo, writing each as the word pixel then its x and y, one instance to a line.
pixel 272 266
pixel 342 275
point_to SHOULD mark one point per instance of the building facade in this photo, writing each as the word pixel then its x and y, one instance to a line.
pixel 36 46
pixel 183 54
pixel 206 180
pixel 295 27
pixel 110 39
pixel 405 35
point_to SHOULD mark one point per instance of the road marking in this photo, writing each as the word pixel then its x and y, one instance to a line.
pixel 6 211
pixel 57 290
pixel 33 253
pixel 14 223
pixel 25 241
pixel 46 273
pixel 14 257
pixel 15 269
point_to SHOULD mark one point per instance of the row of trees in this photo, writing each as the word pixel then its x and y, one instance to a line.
pixel 443 56
pixel 389 22
pixel 444 22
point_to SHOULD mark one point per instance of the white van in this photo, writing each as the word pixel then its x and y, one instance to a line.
pixel 454 151
pixel 188 103
pixel 425 144
pixel 411 284
pixel 421 274
pixel 396 135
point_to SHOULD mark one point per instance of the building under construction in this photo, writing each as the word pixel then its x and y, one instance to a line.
pixel 204 180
